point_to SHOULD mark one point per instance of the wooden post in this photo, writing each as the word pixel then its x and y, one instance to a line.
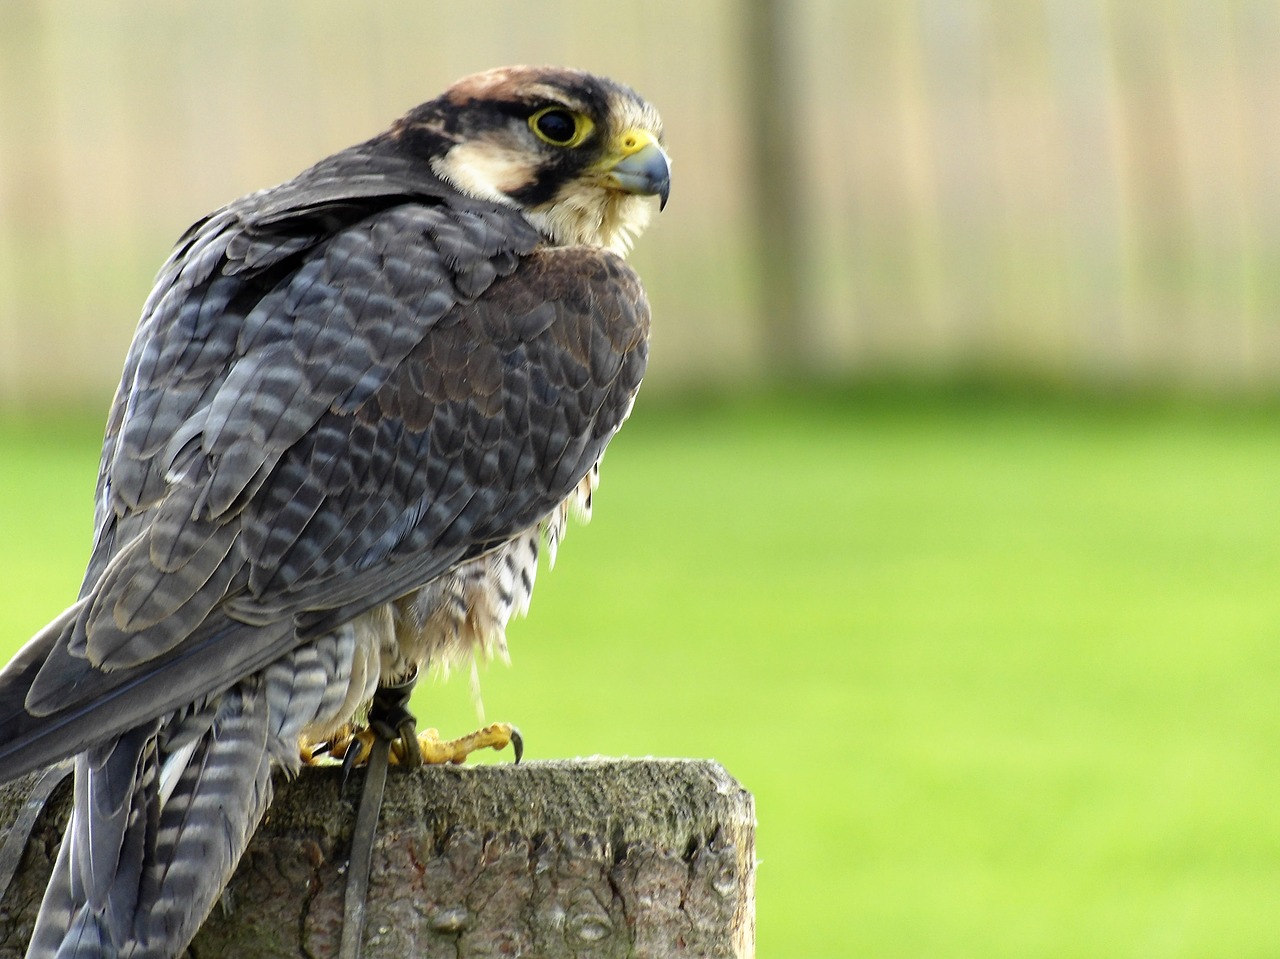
pixel 597 857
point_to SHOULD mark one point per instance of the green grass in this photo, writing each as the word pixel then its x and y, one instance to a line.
pixel 1001 673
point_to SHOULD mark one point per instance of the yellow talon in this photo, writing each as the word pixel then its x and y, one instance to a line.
pixel 349 738
pixel 309 755
pixel 338 745
pixel 427 747
pixel 434 751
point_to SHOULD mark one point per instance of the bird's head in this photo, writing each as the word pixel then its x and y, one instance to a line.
pixel 577 153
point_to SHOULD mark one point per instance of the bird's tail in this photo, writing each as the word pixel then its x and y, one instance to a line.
pixel 164 812
pixel 153 839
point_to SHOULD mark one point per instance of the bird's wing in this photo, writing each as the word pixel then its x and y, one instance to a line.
pixel 319 414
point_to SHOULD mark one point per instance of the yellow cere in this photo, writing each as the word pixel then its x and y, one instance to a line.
pixel 633 141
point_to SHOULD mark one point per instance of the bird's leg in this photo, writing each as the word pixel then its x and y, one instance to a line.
pixel 390 719
pixel 432 749
pixel 408 748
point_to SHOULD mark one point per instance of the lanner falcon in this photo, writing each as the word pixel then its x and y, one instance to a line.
pixel 355 405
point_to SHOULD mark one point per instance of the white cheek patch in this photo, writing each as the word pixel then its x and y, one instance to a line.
pixel 485 170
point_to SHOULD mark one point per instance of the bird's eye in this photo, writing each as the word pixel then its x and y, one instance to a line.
pixel 559 127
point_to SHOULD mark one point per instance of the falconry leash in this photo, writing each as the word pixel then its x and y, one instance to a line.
pixel 389 719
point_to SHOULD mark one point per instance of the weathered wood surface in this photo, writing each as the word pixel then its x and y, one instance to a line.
pixel 598 858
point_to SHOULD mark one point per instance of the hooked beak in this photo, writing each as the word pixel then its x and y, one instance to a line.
pixel 642 167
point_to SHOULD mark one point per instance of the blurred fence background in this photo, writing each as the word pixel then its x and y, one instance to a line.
pixel 1073 190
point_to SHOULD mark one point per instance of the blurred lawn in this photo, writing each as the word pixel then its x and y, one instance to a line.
pixel 1002 673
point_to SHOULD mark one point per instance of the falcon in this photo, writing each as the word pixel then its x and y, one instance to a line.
pixel 356 407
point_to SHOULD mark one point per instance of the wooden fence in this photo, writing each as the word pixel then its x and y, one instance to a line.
pixel 1073 189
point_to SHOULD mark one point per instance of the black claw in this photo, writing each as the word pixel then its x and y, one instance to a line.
pixel 349 762
pixel 517 744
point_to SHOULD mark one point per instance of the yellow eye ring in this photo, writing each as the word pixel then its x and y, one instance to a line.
pixel 560 127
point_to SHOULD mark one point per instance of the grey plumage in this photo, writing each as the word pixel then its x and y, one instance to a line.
pixel 351 404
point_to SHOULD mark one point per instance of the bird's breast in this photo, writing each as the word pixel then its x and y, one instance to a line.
pixel 462 616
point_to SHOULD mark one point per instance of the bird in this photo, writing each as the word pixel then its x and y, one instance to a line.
pixel 356 407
